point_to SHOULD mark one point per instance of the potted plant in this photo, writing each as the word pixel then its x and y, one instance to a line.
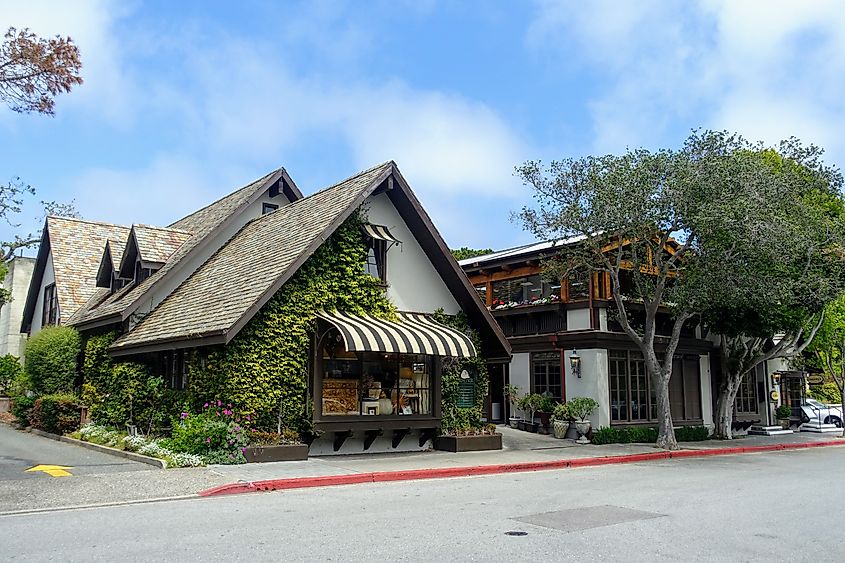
pixel 544 412
pixel 469 439
pixel 530 403
pixel 783 413
pixel 275 446
pixel 580 408
pixel 560 420
pixel 512 393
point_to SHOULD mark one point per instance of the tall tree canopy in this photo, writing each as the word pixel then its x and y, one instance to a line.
pixel 827 350
pixel 686 231
pixel 33 70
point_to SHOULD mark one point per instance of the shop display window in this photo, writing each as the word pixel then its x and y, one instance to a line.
pixel 375 384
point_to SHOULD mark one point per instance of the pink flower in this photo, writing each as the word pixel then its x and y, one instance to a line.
pixel 219 403
pixel 205 406
pixel 208 440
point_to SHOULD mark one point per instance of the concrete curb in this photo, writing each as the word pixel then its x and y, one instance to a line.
pixel 446 472
pixel 159 463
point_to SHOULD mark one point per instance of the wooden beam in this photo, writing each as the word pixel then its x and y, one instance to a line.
pixel 505 275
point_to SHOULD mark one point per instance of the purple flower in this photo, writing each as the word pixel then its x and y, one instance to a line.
pixel 219 403
pixel 205 406
pixel 208 440
pixel 243 450
pixel 183 416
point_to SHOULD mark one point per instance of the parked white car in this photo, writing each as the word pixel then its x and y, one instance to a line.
pixel 813 410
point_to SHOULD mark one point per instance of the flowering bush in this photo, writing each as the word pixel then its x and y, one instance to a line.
pixel 215 433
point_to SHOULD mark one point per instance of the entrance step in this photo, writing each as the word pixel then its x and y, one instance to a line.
pixel 758 430
pixel 819 428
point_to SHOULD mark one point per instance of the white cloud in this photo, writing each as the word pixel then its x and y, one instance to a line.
pixel 768 69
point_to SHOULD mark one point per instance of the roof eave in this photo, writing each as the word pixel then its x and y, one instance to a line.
pixel 164 344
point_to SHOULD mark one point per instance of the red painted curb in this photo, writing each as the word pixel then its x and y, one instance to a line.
pixel 446 472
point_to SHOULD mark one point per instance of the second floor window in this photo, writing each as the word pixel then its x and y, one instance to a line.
pixel 50 308
pixel 376 262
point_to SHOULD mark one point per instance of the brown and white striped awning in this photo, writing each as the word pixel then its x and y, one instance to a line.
pixel 415 333
pixel 378 232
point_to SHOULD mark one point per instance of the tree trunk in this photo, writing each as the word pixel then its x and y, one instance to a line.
pixel 665 431
pixel 724 408
pixel 842 396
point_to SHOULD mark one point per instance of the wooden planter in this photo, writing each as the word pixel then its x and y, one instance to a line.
pixel 286 452
pixel 468 443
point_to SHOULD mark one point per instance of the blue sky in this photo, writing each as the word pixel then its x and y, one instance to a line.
pixel 184 102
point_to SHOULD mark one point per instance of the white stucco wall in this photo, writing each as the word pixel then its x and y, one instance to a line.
pixel 520 373
pixel 593 382
pixel 11 314
pixel 577 319
pixel 187 267
pixel 706 391
pixel 46 279
pixel 413 282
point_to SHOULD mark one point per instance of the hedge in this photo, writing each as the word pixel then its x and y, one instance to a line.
pixel 50 359
pixel 58 413
pixel 10 369
pixel 646 435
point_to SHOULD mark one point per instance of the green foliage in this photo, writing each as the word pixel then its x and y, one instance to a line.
pixel 51 359
pixel 21 407
pixel 530 403
pixel 121 393
pixel 547 403
pixel 828 393
pixel 463 252
pixel 783 411
pixel 455 419
pixel 561 412
pixel 58 413
pixel 646 435
pixel 216 434
pixel 263 371
pixel 10 370
pixel 581 407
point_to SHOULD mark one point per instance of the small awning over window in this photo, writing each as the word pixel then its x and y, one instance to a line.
pixel 378 232
pixel 415 333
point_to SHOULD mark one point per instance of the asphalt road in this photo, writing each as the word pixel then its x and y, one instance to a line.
pixel 762 507
pixel 20 451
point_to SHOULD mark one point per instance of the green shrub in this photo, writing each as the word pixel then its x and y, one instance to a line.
pixel 646 435
pixel 459 419
pixel 692 433
pixel 827 393
pixel 21 407
pixel 783 411
pixel 561 412
pixel 10 370
pixel 50 359
pixel 58 413
pixel 581 407
pixel 216 434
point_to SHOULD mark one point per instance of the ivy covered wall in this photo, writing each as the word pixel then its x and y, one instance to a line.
pixel 263 371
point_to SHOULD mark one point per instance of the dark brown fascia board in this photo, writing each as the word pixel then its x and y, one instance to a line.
pixel 130 254
pixel 100 322
pixel 306 254
pixel 170 344
pixel 290 188
pixel 107 265
pixel 126 311
pixel 35 281
pixel 435 248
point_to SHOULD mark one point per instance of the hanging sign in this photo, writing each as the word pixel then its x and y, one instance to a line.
pixel 815 379
pixel 774 396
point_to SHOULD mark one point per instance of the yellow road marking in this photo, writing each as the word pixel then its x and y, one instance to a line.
pixel 51 470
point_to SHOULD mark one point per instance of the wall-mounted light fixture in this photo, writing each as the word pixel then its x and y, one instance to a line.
pixel 575 364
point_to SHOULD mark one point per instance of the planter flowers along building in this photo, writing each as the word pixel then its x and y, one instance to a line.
pixel 314 313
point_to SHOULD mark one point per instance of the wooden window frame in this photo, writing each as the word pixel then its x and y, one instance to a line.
pixel 50 306
pixel 268 207
pixel 547 359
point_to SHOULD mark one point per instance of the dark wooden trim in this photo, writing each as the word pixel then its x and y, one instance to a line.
pixel 364 423
pixel 35 281
pixel 169 344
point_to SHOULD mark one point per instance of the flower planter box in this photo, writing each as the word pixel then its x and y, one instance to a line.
pixel 287 452
pixel 468 443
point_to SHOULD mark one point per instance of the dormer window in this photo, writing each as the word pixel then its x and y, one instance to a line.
pixel 378 240
pixel 142 273
pixel 268 208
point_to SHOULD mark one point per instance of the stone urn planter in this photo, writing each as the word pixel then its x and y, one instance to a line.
pixel 468 443
pixel 583 428
pixel 281 452
pixel 785 423
pixel 513 422
pixel 560 428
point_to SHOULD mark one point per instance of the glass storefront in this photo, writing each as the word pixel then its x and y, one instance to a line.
pixel 376 384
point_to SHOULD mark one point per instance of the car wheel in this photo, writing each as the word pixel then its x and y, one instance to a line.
pixel 835 420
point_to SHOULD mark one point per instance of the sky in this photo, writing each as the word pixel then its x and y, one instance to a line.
pixel 184 102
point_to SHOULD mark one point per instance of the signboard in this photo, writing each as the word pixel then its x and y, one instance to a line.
pixel 466 393
pixel 815 379
pixel 774 396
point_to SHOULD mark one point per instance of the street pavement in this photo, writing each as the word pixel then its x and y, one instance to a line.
pixel 20 451
pixel 780 506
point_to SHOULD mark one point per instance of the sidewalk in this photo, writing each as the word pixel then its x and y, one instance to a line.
pixel 522 451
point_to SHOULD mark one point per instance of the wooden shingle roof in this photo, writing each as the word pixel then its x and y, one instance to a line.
pixel 157 244
pixel 77 247
pixel 244 273
pixel 199 224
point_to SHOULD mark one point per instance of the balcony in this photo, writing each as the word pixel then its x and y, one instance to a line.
pixel 526 320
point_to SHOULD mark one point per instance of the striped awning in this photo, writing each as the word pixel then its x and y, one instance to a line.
pixel 378 232
pixel 415 333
